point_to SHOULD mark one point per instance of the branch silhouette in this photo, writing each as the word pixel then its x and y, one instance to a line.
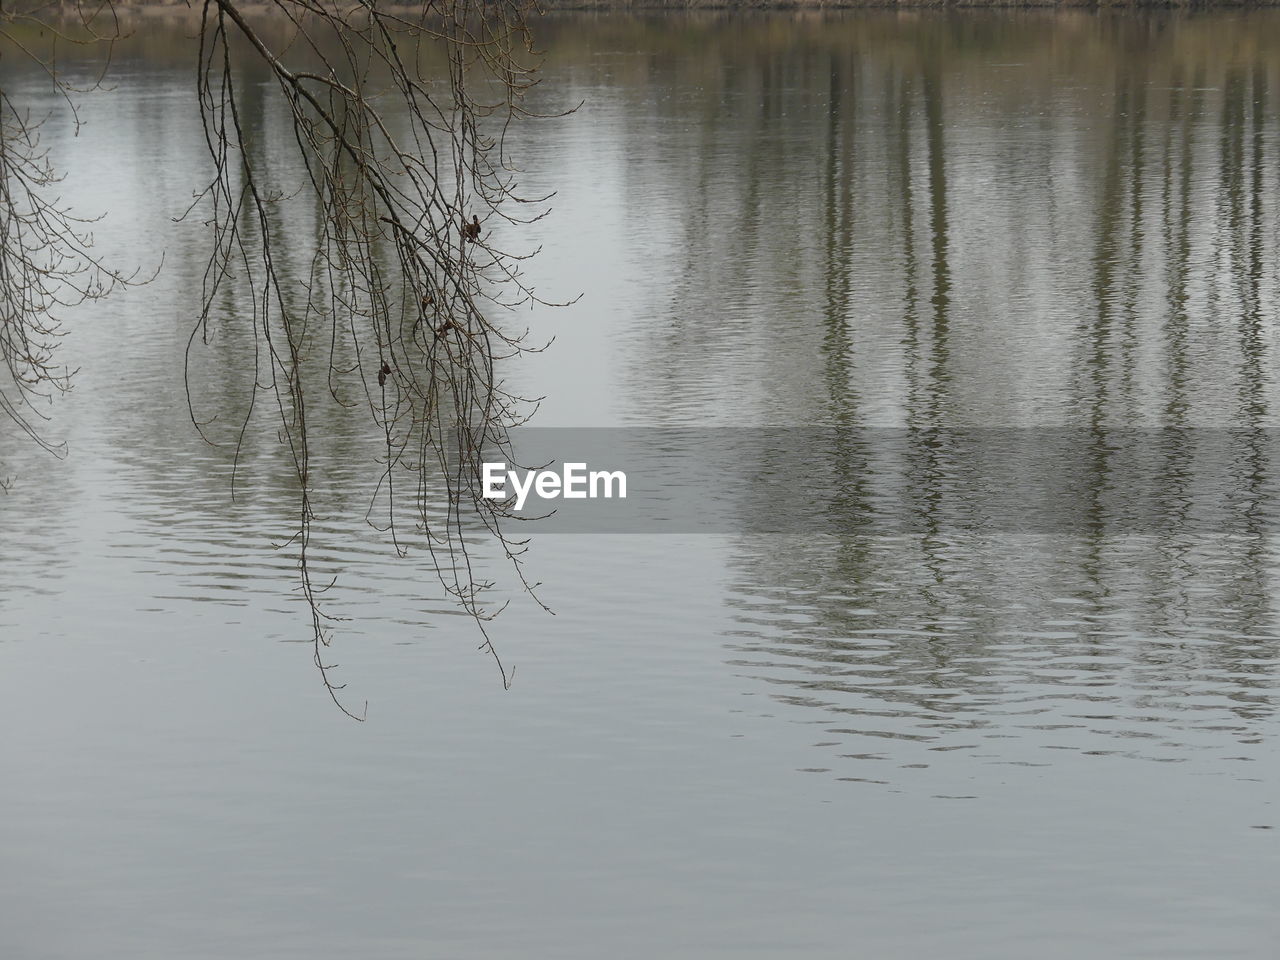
pixel 397 119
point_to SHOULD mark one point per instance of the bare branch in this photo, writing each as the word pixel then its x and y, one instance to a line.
pixel 399 121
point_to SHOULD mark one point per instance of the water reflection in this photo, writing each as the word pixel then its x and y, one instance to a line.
pixel 932 225
pixel 927 225
pixel 935 224
pixel 144 502
pixel 1142 648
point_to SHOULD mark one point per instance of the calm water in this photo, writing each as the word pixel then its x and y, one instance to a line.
pixel 1007 745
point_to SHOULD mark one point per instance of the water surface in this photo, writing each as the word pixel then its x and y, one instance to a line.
pixel 984 745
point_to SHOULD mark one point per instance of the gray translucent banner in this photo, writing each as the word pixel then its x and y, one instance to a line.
pixel 902 481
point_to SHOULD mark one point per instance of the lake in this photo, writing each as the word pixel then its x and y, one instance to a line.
pixel 1052 737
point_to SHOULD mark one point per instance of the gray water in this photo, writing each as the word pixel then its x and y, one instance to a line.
pixel 977 745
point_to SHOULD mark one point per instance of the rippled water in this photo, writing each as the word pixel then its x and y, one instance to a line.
pixel 992 744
